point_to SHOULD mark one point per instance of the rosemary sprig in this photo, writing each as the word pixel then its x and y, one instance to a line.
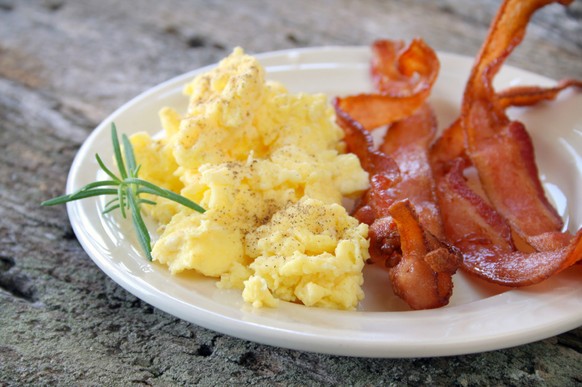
pixel 127 187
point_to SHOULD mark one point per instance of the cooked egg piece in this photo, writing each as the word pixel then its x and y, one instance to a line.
pixel 310 252
pixel 269 168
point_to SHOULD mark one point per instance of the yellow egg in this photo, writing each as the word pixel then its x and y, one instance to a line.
pixel 310 252
pixel 270 169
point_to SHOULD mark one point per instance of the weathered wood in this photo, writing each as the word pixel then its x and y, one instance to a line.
pixel 65 65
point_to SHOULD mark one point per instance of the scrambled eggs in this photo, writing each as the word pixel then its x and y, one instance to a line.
pixel 269 168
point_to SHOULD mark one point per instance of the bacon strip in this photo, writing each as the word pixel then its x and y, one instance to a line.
pixel 400 71
pixel 407 142
pixel 510 178
pixel 531 95
pixel 500 150
pixel 383 171
pixel 423 277
pixel 485 240
pixel 451 143
pixel 359 141
pixel 510 234
pixel 500 220
pixel 469 220
pixel 420 265
pixel 517 268
pixel 403 77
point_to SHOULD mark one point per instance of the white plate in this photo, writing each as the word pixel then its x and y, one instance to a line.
pixel 480 317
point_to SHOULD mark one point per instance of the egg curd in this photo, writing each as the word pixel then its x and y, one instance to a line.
pixel 270 169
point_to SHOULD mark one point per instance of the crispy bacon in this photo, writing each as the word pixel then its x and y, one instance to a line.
pixel 501 150
pixel 403 76
pixel 423 276
pixel 400 208
pixel 531 95
pixel 451 143
pixel 359 141
pixel 485 238
pixel 399 70
pixel 468 218
pixel 510 179
pixel 507 230
pixel 476 188
pixel 407 142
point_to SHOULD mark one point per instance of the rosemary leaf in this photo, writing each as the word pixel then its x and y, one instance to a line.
pixel 96 184
pixel 142 231
pixel 121 197
pixel 105 169
pixel 146 201
pixel 129 156
pixel 78 195
pixel 126 188
pixel 147 187
pixel 108 209
pixel 117 152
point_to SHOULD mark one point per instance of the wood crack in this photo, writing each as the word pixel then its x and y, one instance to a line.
pixel 571 341
pixel 14 282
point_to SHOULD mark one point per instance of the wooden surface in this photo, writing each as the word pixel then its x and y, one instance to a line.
pixel 66 65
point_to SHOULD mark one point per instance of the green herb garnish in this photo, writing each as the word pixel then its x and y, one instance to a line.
pixel 127 187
